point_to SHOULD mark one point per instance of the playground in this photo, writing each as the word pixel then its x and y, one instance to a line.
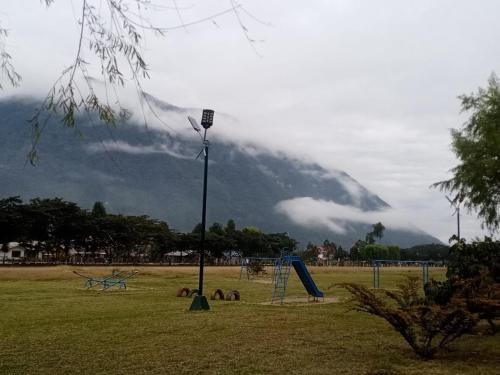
pixel 51 322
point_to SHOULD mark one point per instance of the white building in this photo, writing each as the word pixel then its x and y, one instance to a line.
pixel 14 252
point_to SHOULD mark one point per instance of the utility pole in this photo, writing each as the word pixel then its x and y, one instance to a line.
pixel 457 211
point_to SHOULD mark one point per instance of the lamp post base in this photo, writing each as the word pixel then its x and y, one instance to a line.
pixel 199 303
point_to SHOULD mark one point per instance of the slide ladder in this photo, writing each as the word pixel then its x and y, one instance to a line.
pixel 282 272
pixel 281 275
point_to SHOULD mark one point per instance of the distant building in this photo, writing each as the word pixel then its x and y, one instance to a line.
pixel 15 252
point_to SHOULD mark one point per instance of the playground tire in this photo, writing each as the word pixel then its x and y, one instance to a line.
pixel 183 292
pixel 217 294
pixel 233 295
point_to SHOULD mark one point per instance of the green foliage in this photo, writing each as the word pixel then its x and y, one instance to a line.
pixel 426 252
pixel 439 292
pixel 393 252
pixel 330 249
pixel 310 253
pixel 470 260
pixel 6 68
pixel 98 210
pixel 230 226
pixel 197 228
pixel 476 180
pixel 378 251
pixel 473 279
pixel 341 253
pixel 251 230
pixel 256 268
pixel 355 250
pixel 425 326
pixel 217 228
pixel 55 226
pixel 377 231
pixel 10 221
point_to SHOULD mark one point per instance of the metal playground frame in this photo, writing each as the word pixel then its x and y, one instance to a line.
pixel 246 265
pixel 116 278
pixel 379 262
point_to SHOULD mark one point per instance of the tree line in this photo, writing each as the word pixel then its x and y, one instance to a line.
pixel 61 229
pixel 367 250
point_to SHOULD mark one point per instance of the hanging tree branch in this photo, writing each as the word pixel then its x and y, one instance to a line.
pixel 6 68
pixel 117 45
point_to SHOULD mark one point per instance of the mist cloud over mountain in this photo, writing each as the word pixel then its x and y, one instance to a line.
pixel 152 170
pixel 362 87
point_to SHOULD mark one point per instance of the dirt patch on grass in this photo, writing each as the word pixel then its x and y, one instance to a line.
pixel 304 301
pixel 261 281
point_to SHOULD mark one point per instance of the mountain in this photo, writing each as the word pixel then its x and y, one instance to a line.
pixel 144 170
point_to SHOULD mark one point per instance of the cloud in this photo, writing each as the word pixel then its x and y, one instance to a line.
pixel 309 212
pixel 120 146
pixel 356 86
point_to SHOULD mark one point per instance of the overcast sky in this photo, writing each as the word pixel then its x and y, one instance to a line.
pixel 368 87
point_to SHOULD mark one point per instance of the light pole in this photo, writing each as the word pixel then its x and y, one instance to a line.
pixel 457 211
pixel 200 301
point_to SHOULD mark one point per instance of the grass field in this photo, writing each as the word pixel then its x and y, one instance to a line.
pixel 49 324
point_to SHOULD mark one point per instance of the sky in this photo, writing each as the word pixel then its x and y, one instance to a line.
pixel 367 87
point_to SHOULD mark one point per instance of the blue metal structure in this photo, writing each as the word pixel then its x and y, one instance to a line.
pixel 283 273
pixel 378 262
pixel 108 281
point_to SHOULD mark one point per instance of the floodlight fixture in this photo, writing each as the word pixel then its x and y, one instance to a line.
pixel 207 118
pixel 194 124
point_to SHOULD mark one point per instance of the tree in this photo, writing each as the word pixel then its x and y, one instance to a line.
pixel 375 251
pixel 377 231
pixel 250 241
pixel 11 222
pixel 217 228
pixel 98 210
pixel 230 226
pixel 110 47
pixel 331 249
pixel 310 253
pixel 197 229
pixel 355 250
pixel 426 252
pixel 473 279
pixel 476 179
pixel 231 236
pixel 341 253
pixel 277 243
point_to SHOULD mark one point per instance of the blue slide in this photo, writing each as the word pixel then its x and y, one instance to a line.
pixel 304 276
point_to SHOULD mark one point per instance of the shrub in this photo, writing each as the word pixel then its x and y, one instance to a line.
pixel 469 260
pixel 426 327
pixel 481 295
pixel 473 280
pixel 256 267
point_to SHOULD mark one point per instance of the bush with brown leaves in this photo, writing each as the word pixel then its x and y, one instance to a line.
pixel 426 327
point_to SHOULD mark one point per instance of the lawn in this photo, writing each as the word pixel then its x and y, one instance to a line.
pixel 49 324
